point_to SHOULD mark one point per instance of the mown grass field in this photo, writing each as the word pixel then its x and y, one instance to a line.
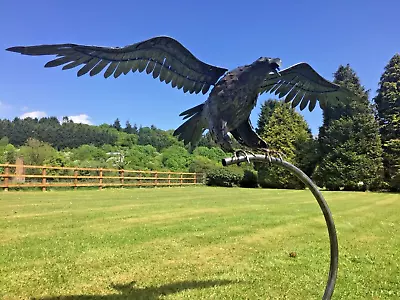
pixel 195 243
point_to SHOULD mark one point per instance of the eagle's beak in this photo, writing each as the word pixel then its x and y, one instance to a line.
pixel 276 63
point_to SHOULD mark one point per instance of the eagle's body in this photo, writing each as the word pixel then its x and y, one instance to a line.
pixel 228 108
pixel 231 99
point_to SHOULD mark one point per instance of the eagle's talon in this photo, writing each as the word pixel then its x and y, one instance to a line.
pixel 268 153
pixel 239 152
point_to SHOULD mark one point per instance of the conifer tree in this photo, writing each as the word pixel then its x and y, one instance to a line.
pixel 387 103
pixel 117 125
pixel 285 131
pixel 350 147
pixel 267 108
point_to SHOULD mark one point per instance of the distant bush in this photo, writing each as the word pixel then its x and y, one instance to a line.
pixel 223 176
pixel 278 178
pixel 249 179
pixel 201 164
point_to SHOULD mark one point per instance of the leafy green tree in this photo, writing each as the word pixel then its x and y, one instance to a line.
pixel 201 164
pixel 143 157
pixel 4 141
pixel 176 158
pixel 89 153
pixel 214 153
pixel 158 138
pixel 285 131
pixel 350 147
pixel 8 153
pixel 387 103
pixel 126 140
pixel 36 152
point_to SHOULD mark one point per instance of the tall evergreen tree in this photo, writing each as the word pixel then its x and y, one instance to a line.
pixel 117 125
pixel 285 131
pixel 128 127
pixel 267 108
pixel 387 103
pixel 350 147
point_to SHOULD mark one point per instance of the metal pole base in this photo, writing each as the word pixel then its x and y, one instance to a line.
pixel 330 286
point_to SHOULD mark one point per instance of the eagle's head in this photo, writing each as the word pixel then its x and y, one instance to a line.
pixel 274 63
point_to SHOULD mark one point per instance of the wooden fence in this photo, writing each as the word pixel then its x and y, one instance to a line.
pixel 23 176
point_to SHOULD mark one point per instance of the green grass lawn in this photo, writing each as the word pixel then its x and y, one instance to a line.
pixel 195 243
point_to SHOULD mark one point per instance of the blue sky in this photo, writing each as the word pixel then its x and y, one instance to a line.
pixel 324 34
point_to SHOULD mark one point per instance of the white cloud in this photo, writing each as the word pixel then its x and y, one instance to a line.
pixel 82 118
pixel 34 114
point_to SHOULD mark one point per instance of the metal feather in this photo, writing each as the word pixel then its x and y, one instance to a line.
pixel 118 70
pixel 322 100
pixel 297 99
pixel 289 97
pixel 111 68
pixel 276 86
pixel 99 67
pixel 60 61
pixel 304 102
pixel 126 66
pixel 179 82
pixel 157 70
pixel 150 66
pixel 142 65
pixel 77 62
pixel 169 77
pixel 89 65
pixel 187 84
pixel 135 65
pixel 174 79
pixel 313 102
pixel 163 73
pixel 205 88
pixel 198 86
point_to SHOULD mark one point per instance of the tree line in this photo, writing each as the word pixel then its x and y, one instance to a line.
pixel 357 147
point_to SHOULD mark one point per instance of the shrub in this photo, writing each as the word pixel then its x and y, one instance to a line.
pixel 223 176
pixel 201 164
pixel 276 177
pixel 249 180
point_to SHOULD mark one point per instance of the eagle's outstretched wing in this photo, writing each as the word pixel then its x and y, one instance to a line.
pixel 162 56
pixel 302 85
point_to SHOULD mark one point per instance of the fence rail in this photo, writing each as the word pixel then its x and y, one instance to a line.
pixel 21 176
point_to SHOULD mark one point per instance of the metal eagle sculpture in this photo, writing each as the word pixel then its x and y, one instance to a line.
pixel 232 97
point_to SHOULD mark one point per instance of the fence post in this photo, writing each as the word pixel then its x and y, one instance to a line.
pixel 100 179
pixel 75 179
pixel 169 179
pixel 44 179
pixel 121 176
pixel 181 179
pixel 156 178
pixel 140 179
pixel 195 178
pixel 6 177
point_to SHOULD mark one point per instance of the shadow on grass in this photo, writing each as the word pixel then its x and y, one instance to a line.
pixel 128 291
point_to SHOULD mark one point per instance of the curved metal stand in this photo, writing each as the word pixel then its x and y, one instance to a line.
pixel 322 204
